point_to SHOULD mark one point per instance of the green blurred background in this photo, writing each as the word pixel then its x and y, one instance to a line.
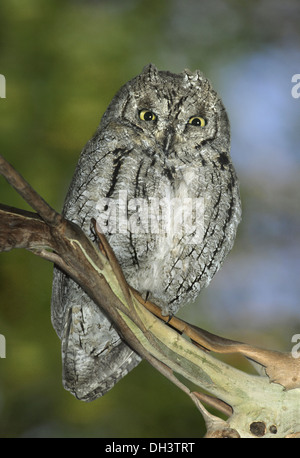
pixel 63 61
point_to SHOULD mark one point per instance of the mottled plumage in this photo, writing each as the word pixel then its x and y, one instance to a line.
pixel 158 178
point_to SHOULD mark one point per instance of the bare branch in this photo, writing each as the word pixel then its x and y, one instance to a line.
pixel 36 202
pixel 156 338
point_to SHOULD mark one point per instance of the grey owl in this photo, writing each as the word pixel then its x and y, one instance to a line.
pixel 158 178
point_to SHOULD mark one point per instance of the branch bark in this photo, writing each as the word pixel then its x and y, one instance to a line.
pixel 256 406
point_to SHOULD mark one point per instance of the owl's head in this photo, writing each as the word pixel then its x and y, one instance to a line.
pixel 171 112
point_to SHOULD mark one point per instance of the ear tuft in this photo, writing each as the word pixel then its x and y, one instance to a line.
pixel 150 72
pixel 193 77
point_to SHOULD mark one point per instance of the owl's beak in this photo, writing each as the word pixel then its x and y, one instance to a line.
pixel 168 140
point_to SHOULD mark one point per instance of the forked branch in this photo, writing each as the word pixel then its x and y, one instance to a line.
pixel 252 403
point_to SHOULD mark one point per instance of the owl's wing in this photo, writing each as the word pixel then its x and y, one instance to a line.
pixel 93 354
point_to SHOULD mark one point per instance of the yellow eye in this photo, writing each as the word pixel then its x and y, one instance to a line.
pixel 197 121
pixel 147 115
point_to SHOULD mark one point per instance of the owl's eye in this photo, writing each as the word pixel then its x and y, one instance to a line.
pixel 147 115
pixel 197 121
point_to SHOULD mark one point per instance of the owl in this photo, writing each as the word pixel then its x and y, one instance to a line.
pixel 158 178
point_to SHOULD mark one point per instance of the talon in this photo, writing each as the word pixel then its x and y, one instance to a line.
pixel 169 318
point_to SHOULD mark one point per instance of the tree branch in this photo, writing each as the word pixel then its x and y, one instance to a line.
pixel 252 403
pixel 48 214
